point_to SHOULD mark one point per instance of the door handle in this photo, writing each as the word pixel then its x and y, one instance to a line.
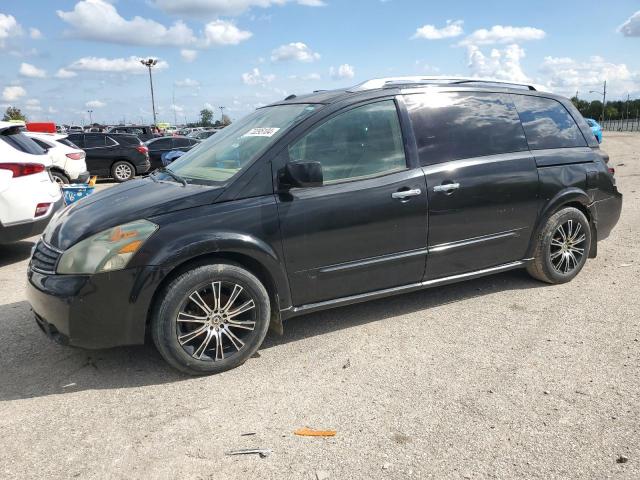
pixel 447 187
pixel 406 193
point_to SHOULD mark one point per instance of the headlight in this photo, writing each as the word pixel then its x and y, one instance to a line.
pixel 108 250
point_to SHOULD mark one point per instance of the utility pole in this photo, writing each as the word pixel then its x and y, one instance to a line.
pixel 151 62
pixel 90 112
pixel 627 106
pixel 175 117
pixel 222 114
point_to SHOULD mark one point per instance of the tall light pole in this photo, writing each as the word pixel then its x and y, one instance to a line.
pixel 90 112
pixel 604 96
pixel 151 62
pixel 222 114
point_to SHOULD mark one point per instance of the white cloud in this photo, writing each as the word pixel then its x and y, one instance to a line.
pixel 214 8
pixel 95 104
pixel 567 75
pixel 631 28
pixel 430 32
pixel 35 34
pixel 33 105
pixel 221 32
pixel 255 77
pixel 31 71
pixel 306 78
pixel 343 71
pixel 99 20
pixel 503 34
pixel 113 65
pixel 64 73
pixel 9 28
pixel 51 110
pixel 297 51
pixel 187 82
pixel 13 93
pixel 188 55
pixel 501 64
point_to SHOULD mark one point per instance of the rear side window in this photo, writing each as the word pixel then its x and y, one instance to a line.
pixel 162 144
pixel 181 142
pixel 94 141
pixel 547 123
pixel 21 142
pixel 76 139
pixel 363 141
pixel 67 142
pixel 455 125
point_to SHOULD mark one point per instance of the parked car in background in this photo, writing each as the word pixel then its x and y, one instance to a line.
pixel 158 146
pixel 595 128
pixel 324 200
pixel 69 164
pixel 116 155
pixel 28 195
pixel 75 128
pixel 202 135
pixel 143 132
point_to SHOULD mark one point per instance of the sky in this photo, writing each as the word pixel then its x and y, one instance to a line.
pixel 62 58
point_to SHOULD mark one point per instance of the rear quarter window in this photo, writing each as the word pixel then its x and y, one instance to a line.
pixel 456 125
pixel 547 123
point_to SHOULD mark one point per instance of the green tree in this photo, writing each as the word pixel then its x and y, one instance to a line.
pixel 206 116
pixel 13 113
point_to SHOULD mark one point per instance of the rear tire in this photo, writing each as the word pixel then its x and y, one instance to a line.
pixel 59 177
pixel 562 247
pixel 210 319
pixel 121 171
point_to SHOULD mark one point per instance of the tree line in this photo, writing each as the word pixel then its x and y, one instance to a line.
pixel 614 110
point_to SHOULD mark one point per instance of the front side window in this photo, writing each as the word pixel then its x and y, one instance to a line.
pixel 456 125
pixel 547 123
pixel 221 156
pixel 361 142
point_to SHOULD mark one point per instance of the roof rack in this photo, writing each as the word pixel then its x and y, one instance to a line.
pixel 394 82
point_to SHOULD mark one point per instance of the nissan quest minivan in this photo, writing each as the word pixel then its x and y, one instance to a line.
pixel 324 200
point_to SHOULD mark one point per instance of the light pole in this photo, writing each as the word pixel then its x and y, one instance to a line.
pixel 151 62
pixel 90 112
pixel 604 96
pixel 222 114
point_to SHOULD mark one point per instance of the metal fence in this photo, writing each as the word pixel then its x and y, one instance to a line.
pixel 623 125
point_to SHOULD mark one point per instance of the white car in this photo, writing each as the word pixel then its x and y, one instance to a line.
pixel 28 195
pixel 69 164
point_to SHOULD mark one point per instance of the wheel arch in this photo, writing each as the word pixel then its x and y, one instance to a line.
pixel 570 197
pixel 247 252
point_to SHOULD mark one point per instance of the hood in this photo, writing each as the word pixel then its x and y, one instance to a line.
pixel 133 200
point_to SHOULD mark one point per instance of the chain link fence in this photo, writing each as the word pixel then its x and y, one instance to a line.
pixel 623 125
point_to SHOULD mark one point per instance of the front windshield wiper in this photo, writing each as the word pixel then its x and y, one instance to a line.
pixel 173 175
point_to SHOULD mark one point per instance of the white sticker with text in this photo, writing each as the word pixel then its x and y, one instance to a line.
pixel 261 132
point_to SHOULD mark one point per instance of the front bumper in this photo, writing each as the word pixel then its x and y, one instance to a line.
pixel 94 311
pixel 19 231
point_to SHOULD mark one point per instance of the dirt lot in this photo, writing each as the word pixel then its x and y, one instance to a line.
pixel 501 377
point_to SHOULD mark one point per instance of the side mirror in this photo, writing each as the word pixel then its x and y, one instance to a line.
pixel 301 174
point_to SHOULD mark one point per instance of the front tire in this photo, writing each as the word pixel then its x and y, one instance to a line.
pixel 210 319
pixel 562 247
pixel 122 171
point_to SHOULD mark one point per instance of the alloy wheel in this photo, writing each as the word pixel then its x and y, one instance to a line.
pixel 215 321
pixel 123 171
pixel 567 246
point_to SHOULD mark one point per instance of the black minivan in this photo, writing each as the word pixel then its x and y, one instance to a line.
pixel 325 200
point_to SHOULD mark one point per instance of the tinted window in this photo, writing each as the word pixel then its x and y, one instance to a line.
pixel 364 141
pixel 42 144
pixel 181 142
pixel 21 142
pixel 161 144
pixel 110 142
pixel 454 125
pixel 67 142
pixel 93 141
pixel 76 139
pixel 547 123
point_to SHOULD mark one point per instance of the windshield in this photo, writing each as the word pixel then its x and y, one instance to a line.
pixel 224 154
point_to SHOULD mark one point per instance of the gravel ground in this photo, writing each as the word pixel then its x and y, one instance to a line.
pixel 501 377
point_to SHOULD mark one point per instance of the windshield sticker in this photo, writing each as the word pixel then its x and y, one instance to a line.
pixel 261 132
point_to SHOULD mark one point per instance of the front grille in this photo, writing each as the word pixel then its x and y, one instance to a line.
pixel 45 258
